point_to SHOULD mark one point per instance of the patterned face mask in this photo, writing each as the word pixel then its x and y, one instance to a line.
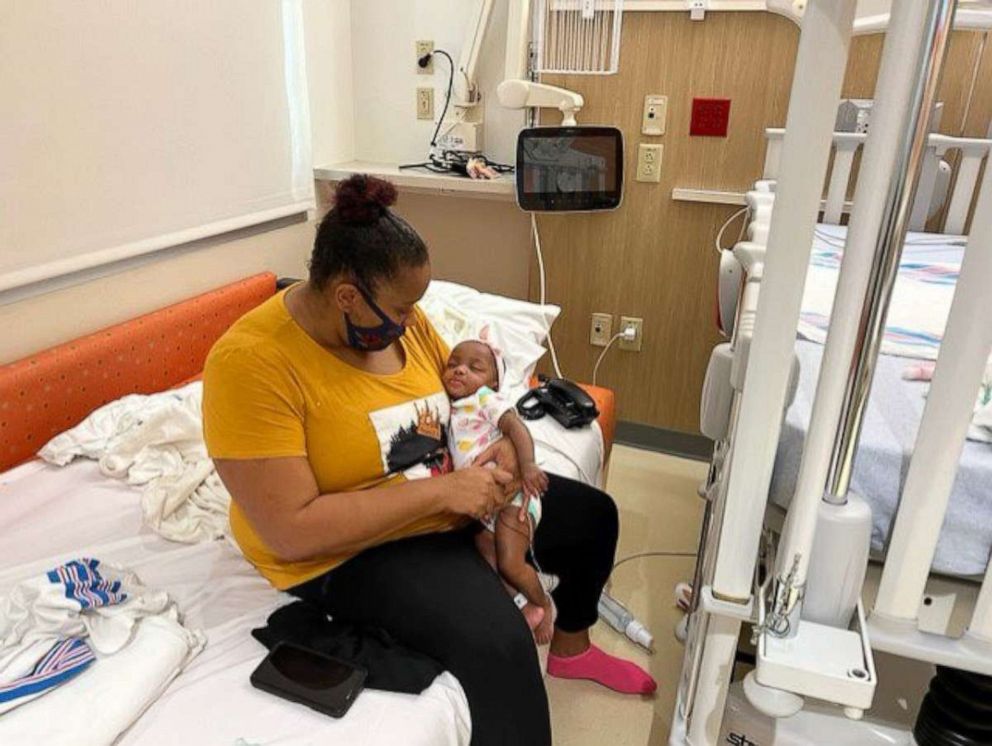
pixel 373 338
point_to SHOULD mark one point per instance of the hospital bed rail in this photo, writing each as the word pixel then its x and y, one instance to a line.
pixel 936 178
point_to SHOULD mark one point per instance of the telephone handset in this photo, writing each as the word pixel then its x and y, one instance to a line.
pixel 563 400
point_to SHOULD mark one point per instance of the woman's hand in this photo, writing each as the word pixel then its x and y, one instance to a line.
pixel 503 456
pixel 476 491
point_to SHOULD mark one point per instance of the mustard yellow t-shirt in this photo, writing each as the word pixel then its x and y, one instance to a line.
pixel 269 391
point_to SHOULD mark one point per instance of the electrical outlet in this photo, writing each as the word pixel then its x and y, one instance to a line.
pixel 654 116
pixel 422 48
pixel 425 103
pixel 649 162
pixel 601 329
pixel 638 324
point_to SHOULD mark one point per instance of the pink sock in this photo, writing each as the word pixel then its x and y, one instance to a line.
pixel 595 665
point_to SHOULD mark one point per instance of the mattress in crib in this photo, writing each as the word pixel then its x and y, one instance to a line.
pixel 895 408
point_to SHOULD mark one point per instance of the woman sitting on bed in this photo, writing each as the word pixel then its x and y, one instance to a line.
pixel 323 408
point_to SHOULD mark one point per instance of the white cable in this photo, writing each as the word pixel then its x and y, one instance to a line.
pixel 743 230
pixel 540 269
pixel 974 81
pixel 658 553
pixel 595 368
pixel 838 242
pixel 726 224
pixel 830 240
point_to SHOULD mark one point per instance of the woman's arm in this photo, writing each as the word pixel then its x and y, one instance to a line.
pixel 282 502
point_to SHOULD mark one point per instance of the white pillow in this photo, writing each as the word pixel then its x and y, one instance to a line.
pixel 518 328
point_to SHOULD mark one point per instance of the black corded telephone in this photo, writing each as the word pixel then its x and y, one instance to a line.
pixel 563 400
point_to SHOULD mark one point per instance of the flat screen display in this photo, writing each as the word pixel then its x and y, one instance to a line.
pixel 308 669
pixel 569 168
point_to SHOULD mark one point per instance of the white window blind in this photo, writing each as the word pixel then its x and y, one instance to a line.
pixel 128 126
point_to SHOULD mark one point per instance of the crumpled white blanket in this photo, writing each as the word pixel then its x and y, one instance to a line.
pixel 155 441
pixel 140 644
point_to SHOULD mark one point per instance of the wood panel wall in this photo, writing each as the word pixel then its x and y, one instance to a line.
pixel 866 56
pixel 654 257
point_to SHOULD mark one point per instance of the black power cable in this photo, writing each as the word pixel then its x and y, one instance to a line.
pixel 447 96
pixel 432 164
pixel 449 161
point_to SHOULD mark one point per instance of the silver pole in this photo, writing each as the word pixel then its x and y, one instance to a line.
pixel 888 246
pixel 695 630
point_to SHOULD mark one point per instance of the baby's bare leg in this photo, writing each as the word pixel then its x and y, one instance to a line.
pixel 512 543
pixel 485 542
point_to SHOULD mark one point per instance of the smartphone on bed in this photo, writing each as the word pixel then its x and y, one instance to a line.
pixel 310 678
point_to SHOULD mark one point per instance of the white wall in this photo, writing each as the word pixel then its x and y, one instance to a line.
pixel 361 101
pixel 77 305
pixel 327 27
pixel 385 76
pixel 41 321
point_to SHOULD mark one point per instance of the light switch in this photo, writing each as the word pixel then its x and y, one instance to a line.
pixel 655 113
pixel 649 162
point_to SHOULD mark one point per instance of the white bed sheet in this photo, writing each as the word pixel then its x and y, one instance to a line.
pixel 49 514
pixel 928 271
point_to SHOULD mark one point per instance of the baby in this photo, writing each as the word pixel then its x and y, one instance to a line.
pixel 479 417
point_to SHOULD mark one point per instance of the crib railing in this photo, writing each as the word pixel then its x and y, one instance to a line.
pixel 961 363
pixel 931 193
pixel 965 349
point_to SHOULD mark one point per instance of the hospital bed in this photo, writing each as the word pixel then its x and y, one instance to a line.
pixel 49 515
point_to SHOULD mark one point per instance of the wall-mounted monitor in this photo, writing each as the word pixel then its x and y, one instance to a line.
pixel 569 169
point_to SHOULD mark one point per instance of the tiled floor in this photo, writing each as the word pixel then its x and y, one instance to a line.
pixel 659 512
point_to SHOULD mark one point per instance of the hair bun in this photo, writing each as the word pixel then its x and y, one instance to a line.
pixel 362 199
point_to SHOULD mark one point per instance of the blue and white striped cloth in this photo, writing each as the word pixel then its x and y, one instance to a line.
pixel 86 634
pixel 84 584
pixel 66 659
pixel 42 641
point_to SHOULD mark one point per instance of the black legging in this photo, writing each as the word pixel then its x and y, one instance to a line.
pixel 437 595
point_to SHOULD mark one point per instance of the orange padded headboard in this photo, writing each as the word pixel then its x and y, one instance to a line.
pixel 54 390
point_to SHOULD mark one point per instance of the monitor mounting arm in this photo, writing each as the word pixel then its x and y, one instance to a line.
pixel 517 91
pixel 464 133
pixel 520 94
